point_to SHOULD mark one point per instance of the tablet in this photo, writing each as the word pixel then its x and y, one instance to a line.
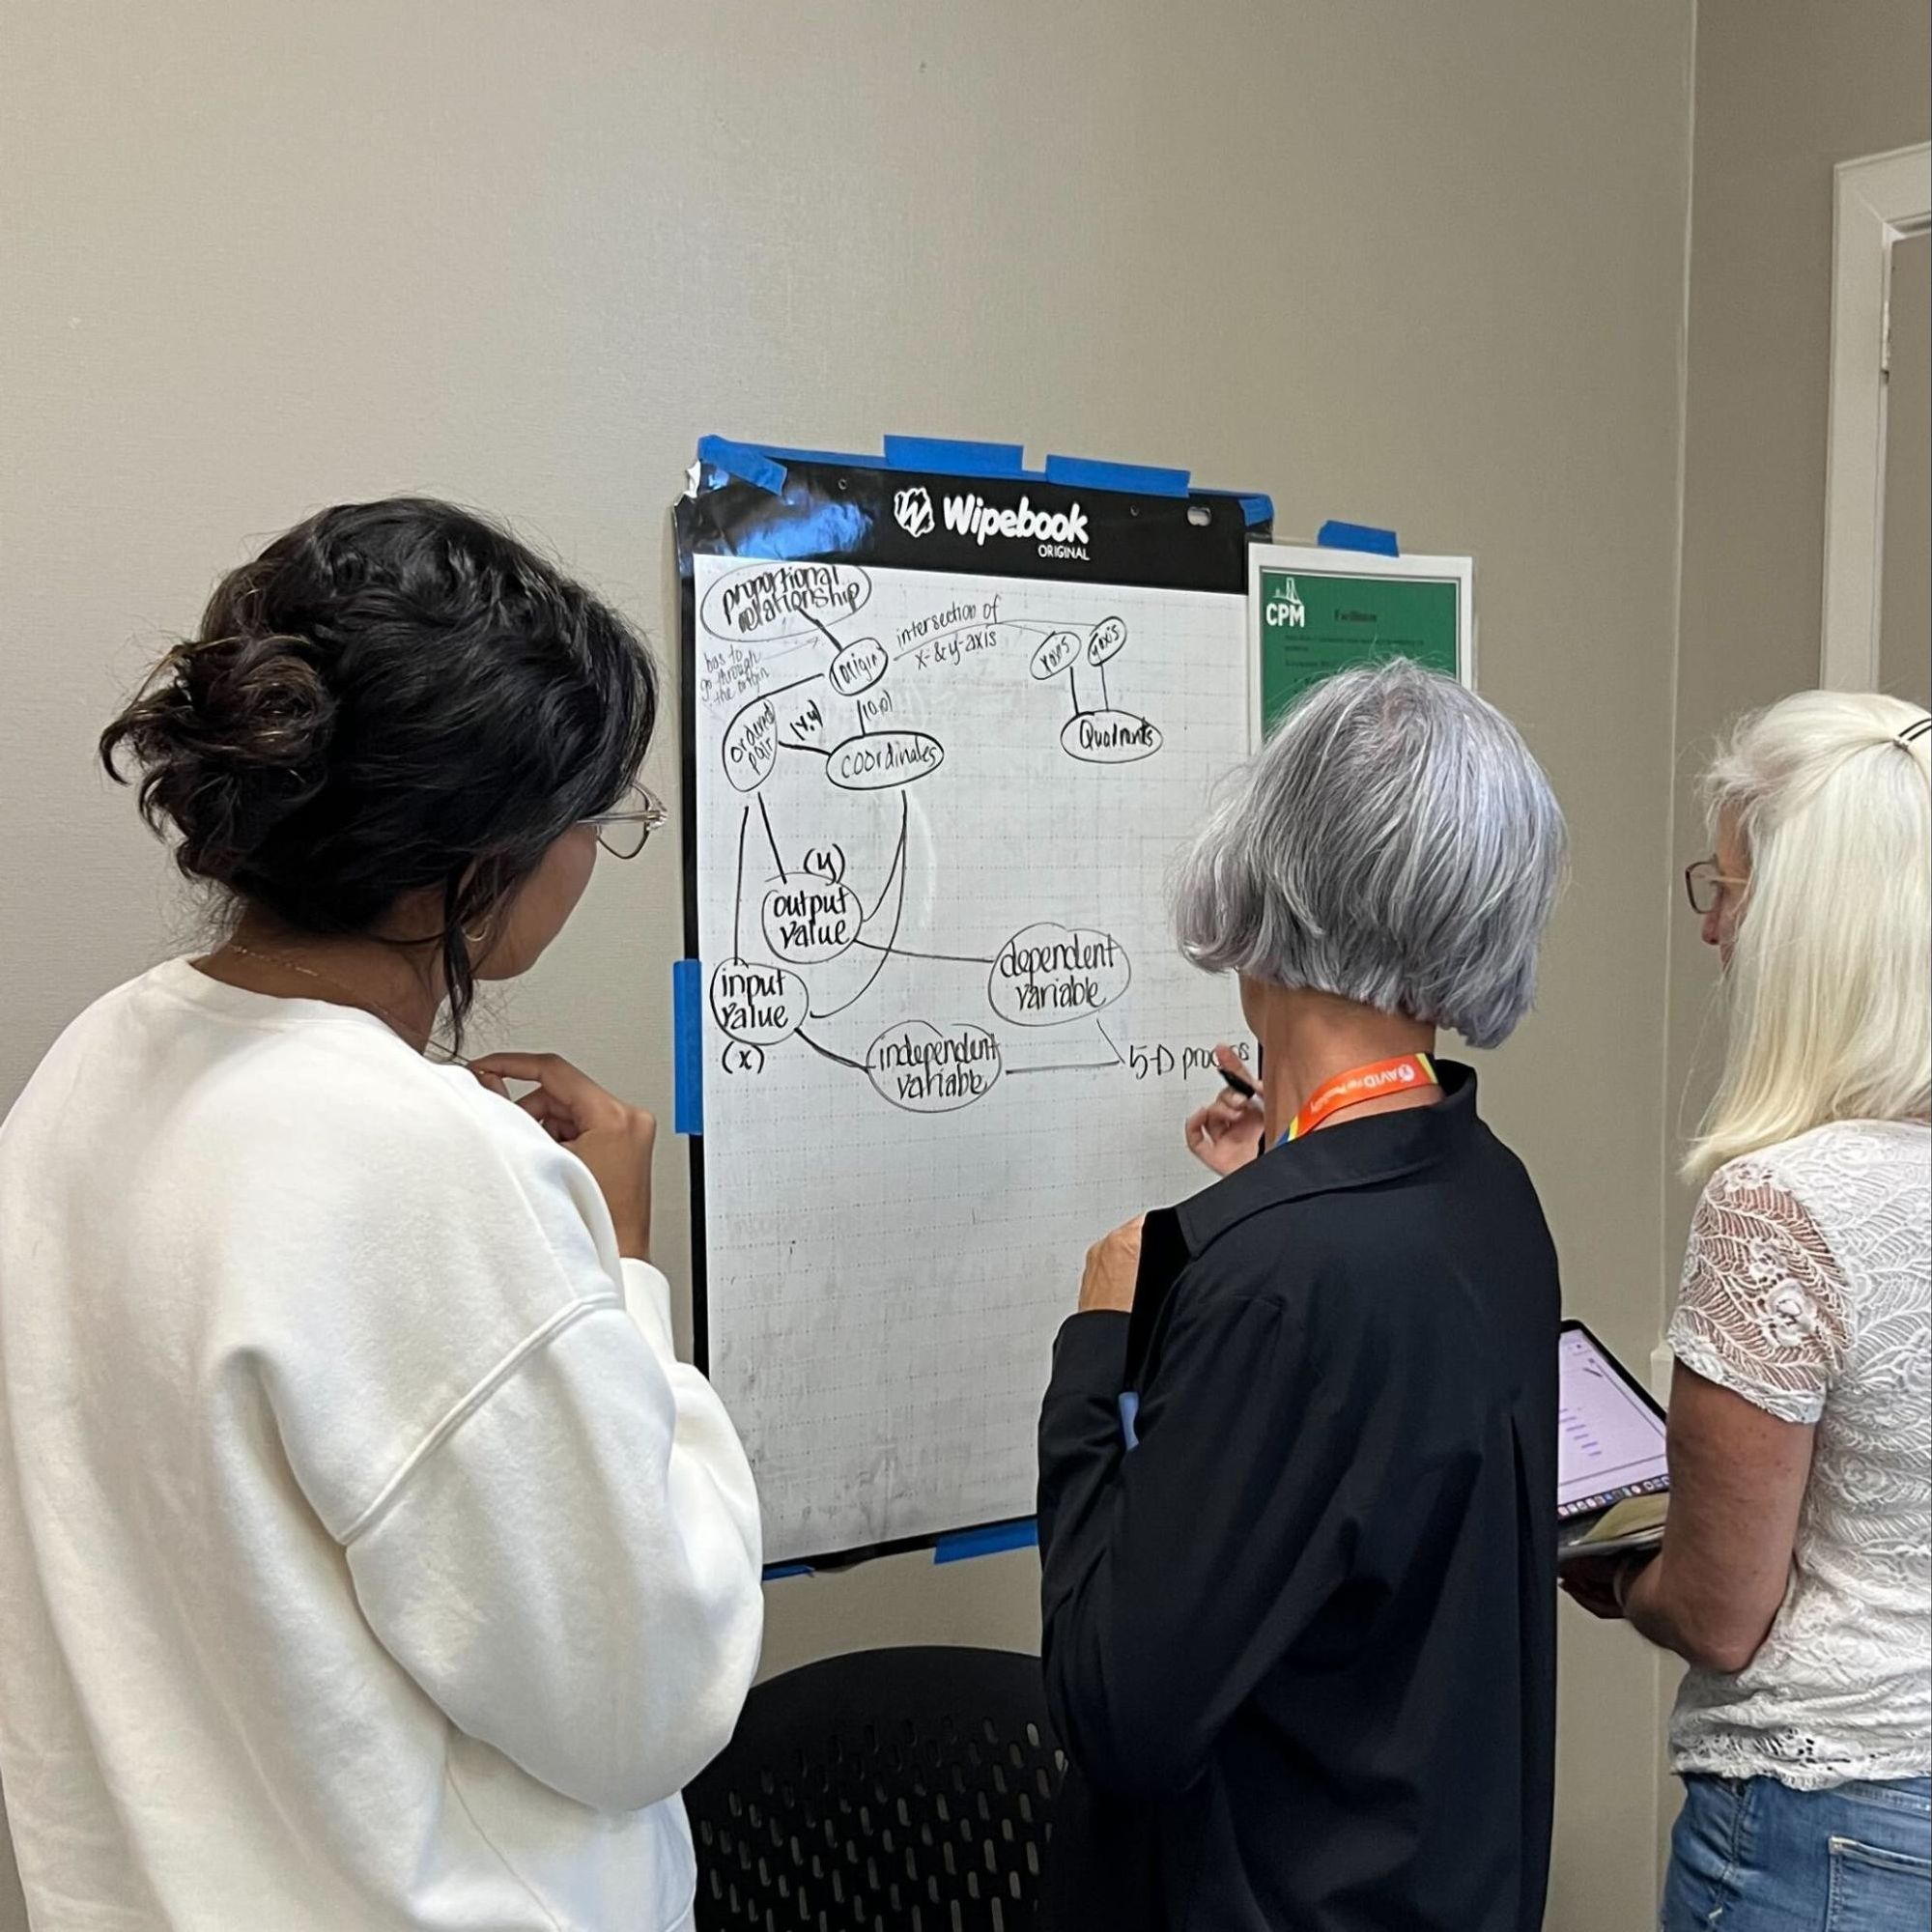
pixel 1610 1433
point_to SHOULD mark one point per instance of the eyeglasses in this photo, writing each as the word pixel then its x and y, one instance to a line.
pixel 1704 885
pixel 623 830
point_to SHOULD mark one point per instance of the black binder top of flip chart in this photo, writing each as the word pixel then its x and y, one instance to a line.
pixel 1087 524
pixel 1005 524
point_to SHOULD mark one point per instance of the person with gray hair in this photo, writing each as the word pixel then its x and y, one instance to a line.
pixel 1298 1458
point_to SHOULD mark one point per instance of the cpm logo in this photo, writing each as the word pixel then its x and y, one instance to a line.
pixel 912 509
pixel 1285 605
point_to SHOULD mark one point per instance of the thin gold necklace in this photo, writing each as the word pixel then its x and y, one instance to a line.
pixel 361 1001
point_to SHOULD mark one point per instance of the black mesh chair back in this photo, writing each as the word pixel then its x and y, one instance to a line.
pixel 888 1791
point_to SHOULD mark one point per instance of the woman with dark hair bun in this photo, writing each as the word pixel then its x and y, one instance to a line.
pixel 367 1558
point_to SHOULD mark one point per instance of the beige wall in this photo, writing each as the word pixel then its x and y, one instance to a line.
pixel 1417 265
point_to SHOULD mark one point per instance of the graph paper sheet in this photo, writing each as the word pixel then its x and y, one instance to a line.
pixel 947 1038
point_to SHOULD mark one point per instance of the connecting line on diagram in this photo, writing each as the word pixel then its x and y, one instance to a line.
pixel 807 914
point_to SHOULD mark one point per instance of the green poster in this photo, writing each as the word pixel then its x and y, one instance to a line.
pixel 1314 624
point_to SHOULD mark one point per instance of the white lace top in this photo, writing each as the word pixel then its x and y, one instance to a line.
pixel 1808 1288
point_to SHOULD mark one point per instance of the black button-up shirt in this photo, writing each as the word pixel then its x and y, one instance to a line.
pixel 1300 1641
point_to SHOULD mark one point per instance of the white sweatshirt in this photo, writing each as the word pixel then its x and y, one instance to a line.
pixel 367 1559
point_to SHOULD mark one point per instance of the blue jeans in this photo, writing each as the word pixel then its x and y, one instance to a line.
pixel 1752 1855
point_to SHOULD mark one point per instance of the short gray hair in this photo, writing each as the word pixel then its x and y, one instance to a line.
pixel 1394 843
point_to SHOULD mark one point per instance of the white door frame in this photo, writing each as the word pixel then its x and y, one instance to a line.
pixel 1880 199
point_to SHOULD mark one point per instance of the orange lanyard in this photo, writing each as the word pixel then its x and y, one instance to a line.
pixel 1360 1084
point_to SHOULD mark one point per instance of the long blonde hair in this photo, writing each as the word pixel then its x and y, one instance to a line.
pixel 1830 972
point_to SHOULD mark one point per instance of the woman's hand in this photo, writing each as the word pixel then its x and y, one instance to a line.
pixel 613 1140
pixel 1112 1265
pixel 1226 1133
pixel 1601 1585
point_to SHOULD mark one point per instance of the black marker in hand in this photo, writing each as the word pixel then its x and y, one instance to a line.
pixel 1226 1134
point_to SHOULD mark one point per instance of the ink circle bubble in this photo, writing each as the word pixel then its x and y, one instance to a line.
pixel 741 1057
pixel 809 920
pixel 858 666
pixel 930 1069
pixel 1109 737
pixel 1057 651
pixel 751 745
pixel 764 602
pixel 1047 975
pixel 1109 635
pixel 757 1002
pixel 878 761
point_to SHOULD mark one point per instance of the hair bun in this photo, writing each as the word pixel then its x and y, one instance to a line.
pixel 388 719
pixel 232 737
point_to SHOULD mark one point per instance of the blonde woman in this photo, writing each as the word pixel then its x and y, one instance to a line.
pixel 1794 1577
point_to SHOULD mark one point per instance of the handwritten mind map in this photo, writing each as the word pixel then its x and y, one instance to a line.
pixel 809 915
pixel 949 1035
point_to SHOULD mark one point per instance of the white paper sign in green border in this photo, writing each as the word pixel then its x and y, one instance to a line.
pixel 1312 613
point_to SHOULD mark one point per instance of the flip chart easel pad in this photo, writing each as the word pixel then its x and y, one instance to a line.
pixel 949 1038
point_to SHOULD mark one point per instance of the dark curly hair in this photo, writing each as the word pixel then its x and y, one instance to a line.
pixel 394 698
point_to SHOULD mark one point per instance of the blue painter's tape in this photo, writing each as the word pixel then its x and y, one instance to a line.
pixel 1357 536
pixel 1256 507
pixel 941 458
pixel 1130 1408
pixel 988 1542
pixel 775 1571
pixel 841 459
pixel 687 1020
pixel 1137 479
pixel 743 460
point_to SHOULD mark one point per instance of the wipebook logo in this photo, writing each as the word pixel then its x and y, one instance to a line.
pixel 1061 534
pixel 913 508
